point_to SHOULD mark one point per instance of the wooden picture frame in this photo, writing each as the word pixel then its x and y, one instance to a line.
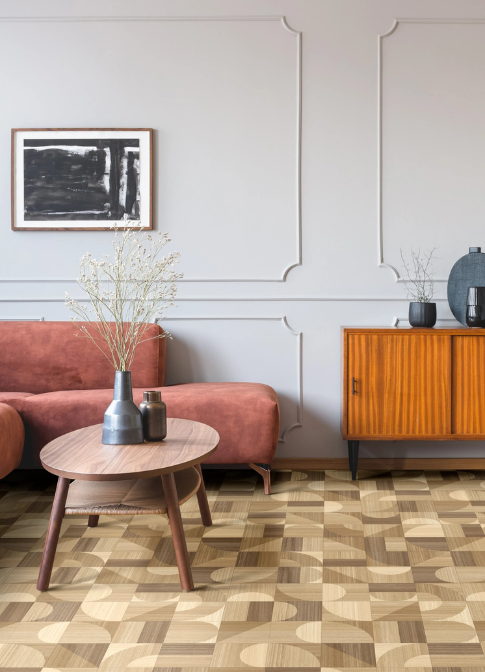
pixel 81 179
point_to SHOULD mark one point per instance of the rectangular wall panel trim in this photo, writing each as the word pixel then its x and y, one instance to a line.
pixel 287 265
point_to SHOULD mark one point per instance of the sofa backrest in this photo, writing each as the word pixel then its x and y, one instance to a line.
pixel 47 357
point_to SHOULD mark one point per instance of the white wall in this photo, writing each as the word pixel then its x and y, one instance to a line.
pixel 274 265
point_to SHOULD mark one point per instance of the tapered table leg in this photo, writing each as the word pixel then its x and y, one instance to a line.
pixel 205 512
pixel 93 521
pixel 175 520
pixel 57 514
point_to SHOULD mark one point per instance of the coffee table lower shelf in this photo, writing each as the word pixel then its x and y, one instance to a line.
pixel 130 498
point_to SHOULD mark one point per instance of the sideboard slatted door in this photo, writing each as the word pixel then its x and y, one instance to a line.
pixel 399 385
pixel 468 410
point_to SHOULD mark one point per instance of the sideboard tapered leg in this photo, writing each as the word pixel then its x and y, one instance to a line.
pixel 353 457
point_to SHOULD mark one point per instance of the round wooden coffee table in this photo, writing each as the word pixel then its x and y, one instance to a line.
pixel 107 481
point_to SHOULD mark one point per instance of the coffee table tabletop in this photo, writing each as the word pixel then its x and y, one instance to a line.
pixel 81 455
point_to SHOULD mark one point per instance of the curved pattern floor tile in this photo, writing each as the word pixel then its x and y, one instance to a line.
pixel 327 574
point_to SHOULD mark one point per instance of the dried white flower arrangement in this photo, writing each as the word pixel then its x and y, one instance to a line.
pixel 125 293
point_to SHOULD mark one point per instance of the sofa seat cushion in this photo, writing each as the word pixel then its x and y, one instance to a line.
pixel 246 416
pixel 15 399
pixel 11 439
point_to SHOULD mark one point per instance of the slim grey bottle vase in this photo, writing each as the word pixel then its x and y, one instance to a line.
pixel 122 421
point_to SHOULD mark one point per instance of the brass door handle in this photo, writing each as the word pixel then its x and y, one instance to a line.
pixel 354 391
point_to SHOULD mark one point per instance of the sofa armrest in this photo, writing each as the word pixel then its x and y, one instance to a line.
pixel 12 435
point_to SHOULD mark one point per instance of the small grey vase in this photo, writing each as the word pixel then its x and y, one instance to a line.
pixel 122 421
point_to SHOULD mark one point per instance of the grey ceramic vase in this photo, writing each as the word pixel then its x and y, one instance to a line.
pixel 422 314
pixel 122 421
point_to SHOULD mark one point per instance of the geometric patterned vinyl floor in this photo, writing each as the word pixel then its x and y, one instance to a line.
pixel 384 574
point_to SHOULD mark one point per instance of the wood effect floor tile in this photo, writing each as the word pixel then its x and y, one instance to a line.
pixel 385 573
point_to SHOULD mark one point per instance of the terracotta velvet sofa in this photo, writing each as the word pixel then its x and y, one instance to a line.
pixel 53 382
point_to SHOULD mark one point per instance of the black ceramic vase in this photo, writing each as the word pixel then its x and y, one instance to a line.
pixel 154 414
pixel 422 314
pixel 122 421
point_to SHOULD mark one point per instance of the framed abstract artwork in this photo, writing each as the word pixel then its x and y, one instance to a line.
pixel 81 179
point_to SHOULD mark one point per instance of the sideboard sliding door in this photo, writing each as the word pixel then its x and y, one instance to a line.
pixel 468 406
pixel 398 385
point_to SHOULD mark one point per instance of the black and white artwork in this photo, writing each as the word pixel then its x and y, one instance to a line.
pixel 81 179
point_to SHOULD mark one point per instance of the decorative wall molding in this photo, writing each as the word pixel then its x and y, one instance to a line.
pixel 380 237
pixel 299 406
pixel 336 299
pixel 396 321
pixel 141 19
pixel 163 19
pixel 380 230
pixel 21 319
pixel 229 299
pixel 284 322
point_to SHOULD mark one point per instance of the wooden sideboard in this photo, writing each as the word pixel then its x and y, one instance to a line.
pixel 404 383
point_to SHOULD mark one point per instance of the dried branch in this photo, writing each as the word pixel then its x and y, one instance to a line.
pixel 420 281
